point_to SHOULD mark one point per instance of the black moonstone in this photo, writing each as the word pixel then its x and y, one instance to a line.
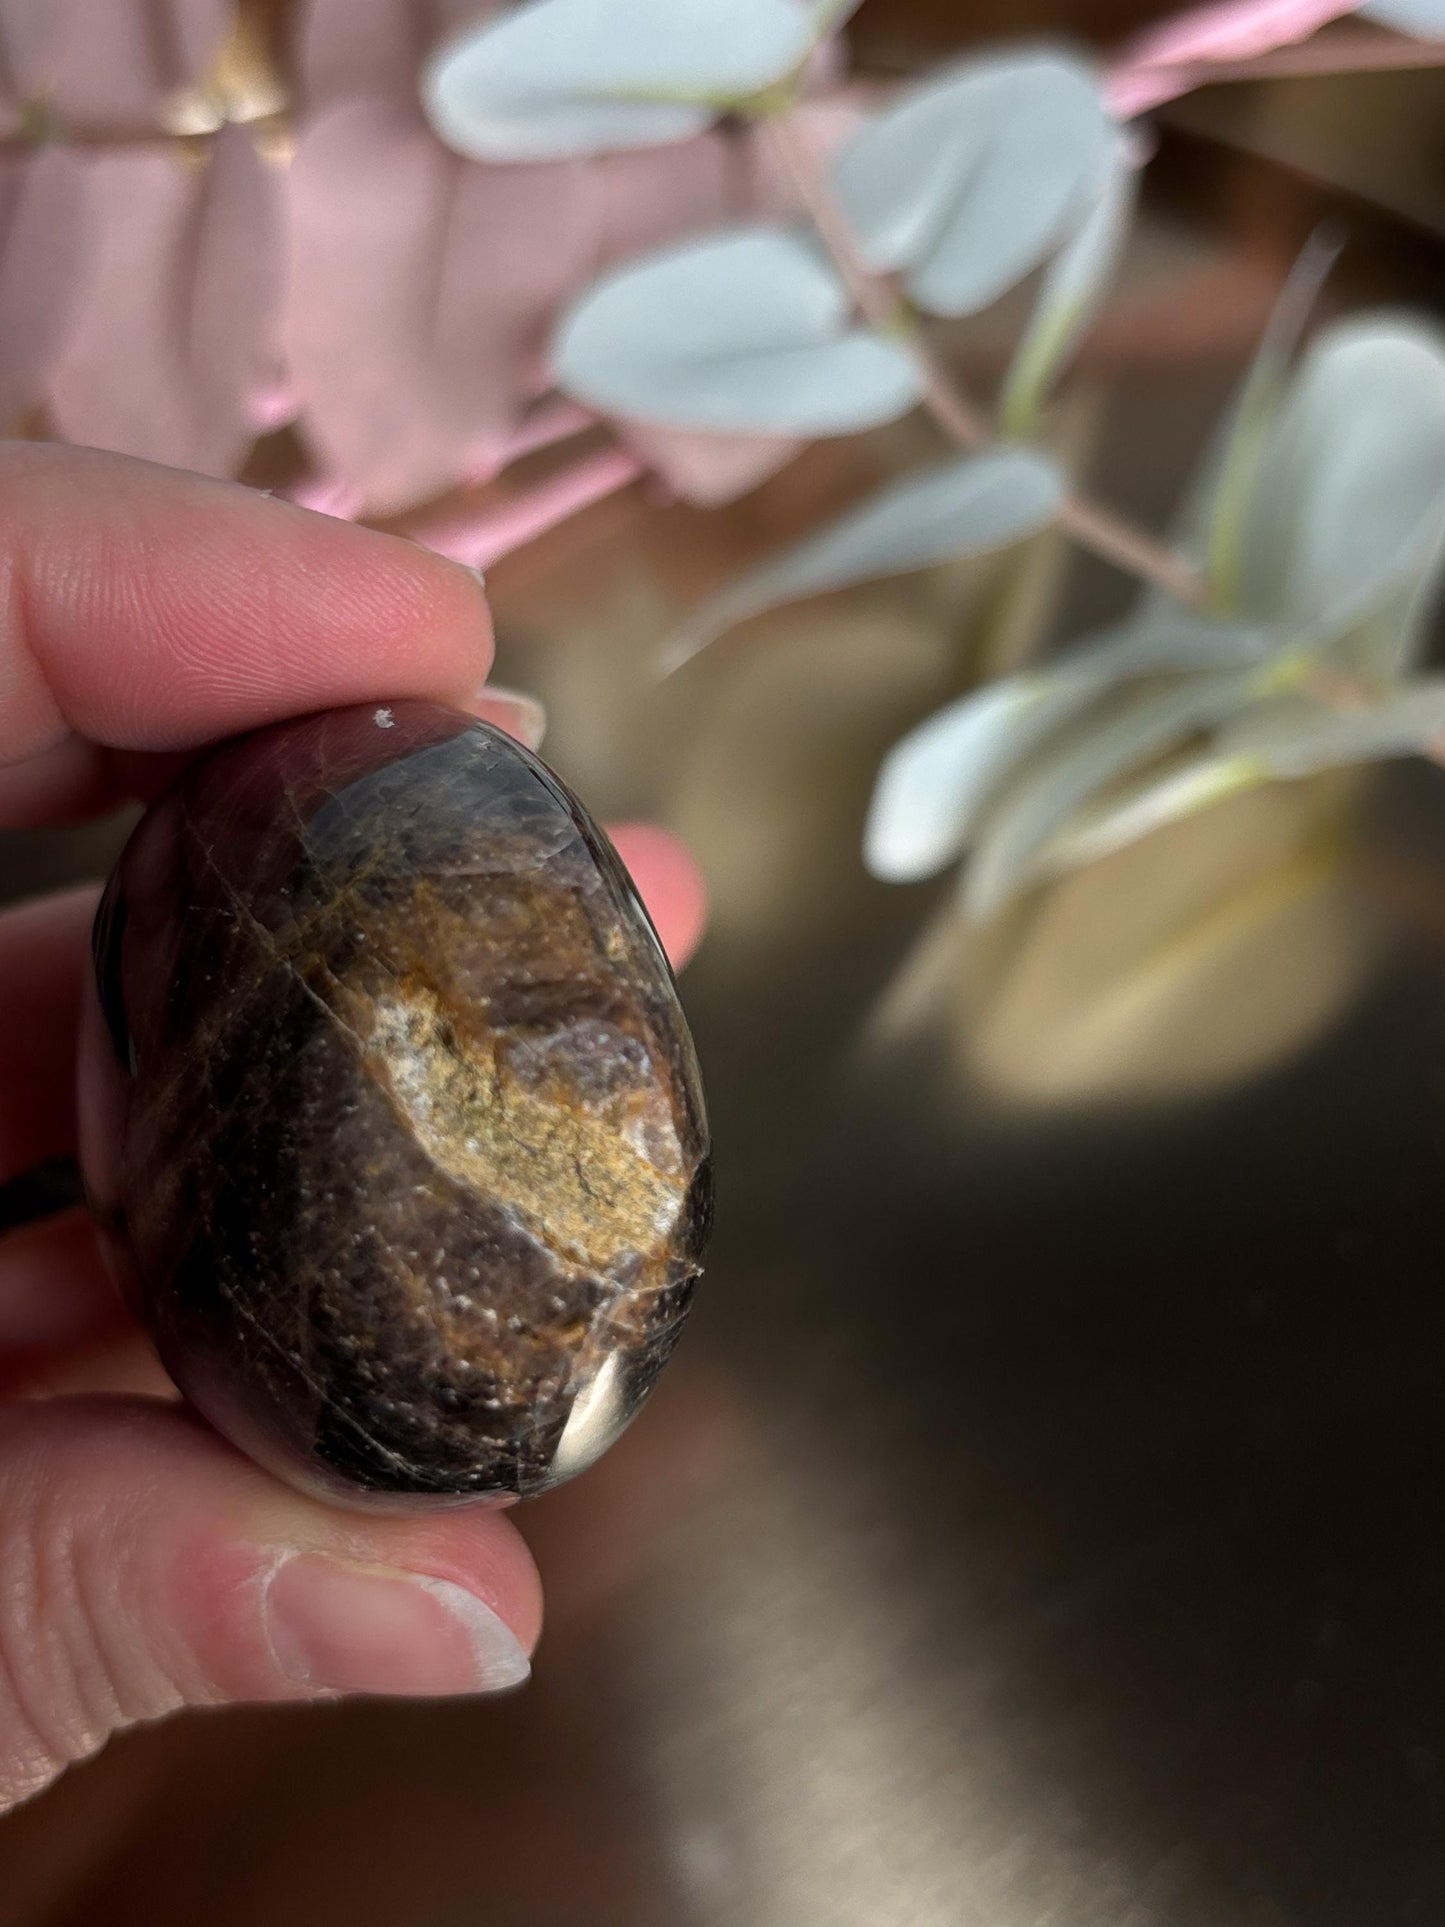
pixel 392 1115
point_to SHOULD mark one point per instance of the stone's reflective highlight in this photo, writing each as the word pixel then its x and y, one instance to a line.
pixel 401 1144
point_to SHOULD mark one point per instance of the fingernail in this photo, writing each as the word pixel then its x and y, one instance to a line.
pixel 339 1626
pixel 520 714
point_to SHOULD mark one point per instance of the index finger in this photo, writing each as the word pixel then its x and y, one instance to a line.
pixel 146 609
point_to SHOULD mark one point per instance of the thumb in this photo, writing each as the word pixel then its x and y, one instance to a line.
pixel 145 1566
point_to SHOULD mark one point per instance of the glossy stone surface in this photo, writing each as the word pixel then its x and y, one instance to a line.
pixel 395 1121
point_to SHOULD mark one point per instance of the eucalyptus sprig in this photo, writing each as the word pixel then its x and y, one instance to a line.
pixel 1277 629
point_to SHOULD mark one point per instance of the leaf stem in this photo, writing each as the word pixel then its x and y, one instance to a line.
pixel 1336 52
pixel 1134 87
pixel 481 535
pixel 1116 539
pixel 1346 693
pixel 878 301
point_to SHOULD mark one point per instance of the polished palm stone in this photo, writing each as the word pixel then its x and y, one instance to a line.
pixel 393 1116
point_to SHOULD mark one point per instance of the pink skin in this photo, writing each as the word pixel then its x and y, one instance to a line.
pixel 144 1565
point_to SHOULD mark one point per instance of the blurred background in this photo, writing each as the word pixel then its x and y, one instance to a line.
pixel 1040 1525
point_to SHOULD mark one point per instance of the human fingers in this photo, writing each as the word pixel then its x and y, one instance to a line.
pixel 63 1327
pixel 142 609
pixel 76 779
pixel 44 955
pixel 55 1292
pixel 145 1566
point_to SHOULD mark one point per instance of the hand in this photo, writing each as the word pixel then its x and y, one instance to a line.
pixel 145 1565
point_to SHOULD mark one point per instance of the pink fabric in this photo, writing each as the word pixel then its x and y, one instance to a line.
pixel 111 63
pixel 43 227
pixel 424 287
pixel 390 298
pixel 418 297
pixel 175 329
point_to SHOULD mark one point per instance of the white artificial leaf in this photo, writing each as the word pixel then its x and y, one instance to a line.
pixel 933 783
pixel 1423 18
pixel 962 507
pixel 936 783
pixel 1135 809
pixel 1395 633
pixel 1227 499
pixel 1350 498
pixel 1293 736
pixel 568 77
pixel 1090 757
pixel 972 179
pixel 747 331
pixel 1170 643
pixel 1210 524
pixel 1072 290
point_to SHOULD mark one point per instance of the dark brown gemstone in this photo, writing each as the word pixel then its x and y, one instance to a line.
pixel 397 1128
